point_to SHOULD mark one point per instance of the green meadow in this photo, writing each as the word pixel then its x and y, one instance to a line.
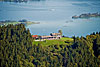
pixel 64 40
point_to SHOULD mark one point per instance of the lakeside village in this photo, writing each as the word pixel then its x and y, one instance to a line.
pixel 87 15
pixel 23 21
pixel 52 36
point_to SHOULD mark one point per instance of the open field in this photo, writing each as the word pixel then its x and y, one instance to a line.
pixel 65 41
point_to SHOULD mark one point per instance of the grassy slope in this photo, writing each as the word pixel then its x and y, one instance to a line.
pixel 54 42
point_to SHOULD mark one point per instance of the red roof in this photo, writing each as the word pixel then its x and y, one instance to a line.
pixel 34 36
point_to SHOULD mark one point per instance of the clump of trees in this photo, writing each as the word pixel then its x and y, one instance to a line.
pixel 60 31
pixel 17 50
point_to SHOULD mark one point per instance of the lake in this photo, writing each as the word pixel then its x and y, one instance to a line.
pixel 54 15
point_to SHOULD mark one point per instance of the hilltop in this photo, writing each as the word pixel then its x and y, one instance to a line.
pixel 18 49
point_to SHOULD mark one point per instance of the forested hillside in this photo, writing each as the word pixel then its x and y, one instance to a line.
pixel 15 45
pixel 17 50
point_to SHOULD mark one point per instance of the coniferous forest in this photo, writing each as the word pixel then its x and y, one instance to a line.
pixel 17 50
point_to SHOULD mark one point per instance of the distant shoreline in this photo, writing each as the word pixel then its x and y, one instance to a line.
pixel 24 21
pixel 86 15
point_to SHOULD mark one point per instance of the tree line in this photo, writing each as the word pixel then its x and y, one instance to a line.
pixel 17 50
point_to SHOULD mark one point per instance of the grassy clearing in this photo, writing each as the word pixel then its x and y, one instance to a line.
pixel 55 42
pixel 66 38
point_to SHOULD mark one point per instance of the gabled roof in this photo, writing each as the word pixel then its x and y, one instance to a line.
pixel 34 36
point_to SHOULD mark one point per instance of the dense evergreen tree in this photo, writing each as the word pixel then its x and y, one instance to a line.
pixel 96 46
pixel 15 43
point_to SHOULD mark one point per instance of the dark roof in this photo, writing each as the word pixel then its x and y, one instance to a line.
pixel 55 34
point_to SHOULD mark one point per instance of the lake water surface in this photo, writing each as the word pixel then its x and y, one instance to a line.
pixel 54 15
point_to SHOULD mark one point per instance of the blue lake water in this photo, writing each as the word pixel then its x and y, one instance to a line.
pixel 54 15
